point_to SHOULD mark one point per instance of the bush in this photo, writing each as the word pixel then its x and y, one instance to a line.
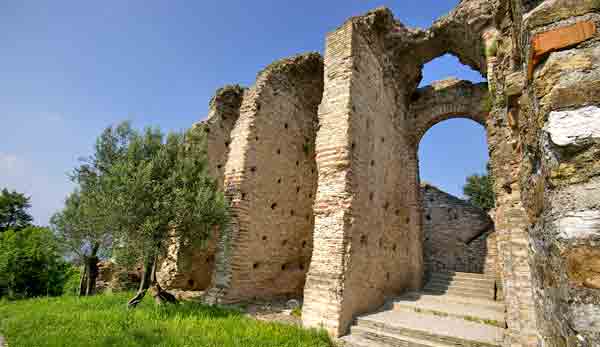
pixel 73 278
pixel 31 264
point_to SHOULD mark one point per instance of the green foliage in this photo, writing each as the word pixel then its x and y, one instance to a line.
pixel 13 210
pixel 480 191
pixel 297 312
pixel 73 277
pixel 85 225
pixel 31 264
pixel 101 321
pixel 161 188
pixel 491 49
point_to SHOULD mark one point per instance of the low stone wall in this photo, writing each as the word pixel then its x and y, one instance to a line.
pixel 455 234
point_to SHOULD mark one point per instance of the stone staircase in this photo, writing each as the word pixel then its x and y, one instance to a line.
pixel 454 309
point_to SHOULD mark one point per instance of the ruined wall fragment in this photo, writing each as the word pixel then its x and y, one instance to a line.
pixel 188 266
pixel 367 228
pixel 455 235
pixel 558 132
pixel 270 178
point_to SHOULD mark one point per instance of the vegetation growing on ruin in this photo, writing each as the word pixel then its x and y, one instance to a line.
pixel 100 321
pixel 479 190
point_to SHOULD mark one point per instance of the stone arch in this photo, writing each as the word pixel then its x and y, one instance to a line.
pixel 447 99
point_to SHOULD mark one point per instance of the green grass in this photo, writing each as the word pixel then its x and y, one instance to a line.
pixel 104 321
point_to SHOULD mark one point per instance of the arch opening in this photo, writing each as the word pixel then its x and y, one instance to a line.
pixel 458 235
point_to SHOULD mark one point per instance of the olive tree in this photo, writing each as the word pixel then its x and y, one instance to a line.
pixel 85 225
pixel 161 188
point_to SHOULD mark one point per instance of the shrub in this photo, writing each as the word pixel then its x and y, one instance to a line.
pixel 31 264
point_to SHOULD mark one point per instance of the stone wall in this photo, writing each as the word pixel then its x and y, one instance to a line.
pixel 557 129
pixel 455 235
pixel 367 227
pixel 189 266
pixel 270 179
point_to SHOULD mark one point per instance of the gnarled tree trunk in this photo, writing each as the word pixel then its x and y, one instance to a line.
pixel 149 282
pixel 87 286
pixel 83 280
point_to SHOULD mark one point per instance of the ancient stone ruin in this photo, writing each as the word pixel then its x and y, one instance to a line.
pixel 319 160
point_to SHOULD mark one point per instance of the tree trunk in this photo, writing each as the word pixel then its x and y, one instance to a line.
pixel 149 282
pixel 160 296
pixel 83 279
pixel 92 270
pixel 144 283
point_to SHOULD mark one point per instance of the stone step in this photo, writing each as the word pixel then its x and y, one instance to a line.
pixel 365 337
pixel 457 288
pixel 487 303
pixel 466 286
pixel 463 282
pixel 428 327
pixel 460 292
pixel 474 313
pixel 462 276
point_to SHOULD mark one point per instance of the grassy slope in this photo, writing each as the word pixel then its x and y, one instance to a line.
pixel 104 321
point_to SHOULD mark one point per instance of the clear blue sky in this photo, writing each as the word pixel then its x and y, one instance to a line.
pixel 70 68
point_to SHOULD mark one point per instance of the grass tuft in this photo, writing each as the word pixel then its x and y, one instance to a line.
pixel 103 320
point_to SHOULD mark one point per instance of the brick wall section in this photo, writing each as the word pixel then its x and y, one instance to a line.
pixel 187 266
pixel 367 228
pixel 270 178
pixel 455 234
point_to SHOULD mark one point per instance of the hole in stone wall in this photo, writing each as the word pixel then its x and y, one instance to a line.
pixel 283 267
pixel 310 195
pixel 243 196
pixel 273 206
pixel 363 240
pixel 353 145
pixel 255 266
pixel 372 162
pixel 386 205
pixel 397 212
pixel 301 266
pixel 297 163
pixel 279 181
pixel 312 171
pixel 191 283
pixel 253 169
pixel 297 189
pixel 307 217
pixel 278 151
pixel 407 220
pixel 219 166
pixel 428 217
pixel 394 247
pixel 380 243
pixel 382 139
pixel 387 276
pixel 207 130
pixel 226 143
pixel 304 243
pixel 256 138
pixel 285 125
pixel 292 212
pixel 284 242
pixel 210 259
pixel 371 196
pixel 264 238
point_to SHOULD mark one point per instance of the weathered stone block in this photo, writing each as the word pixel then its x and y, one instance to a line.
pixel 574 127
pixel 551 11
pixel 560 38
